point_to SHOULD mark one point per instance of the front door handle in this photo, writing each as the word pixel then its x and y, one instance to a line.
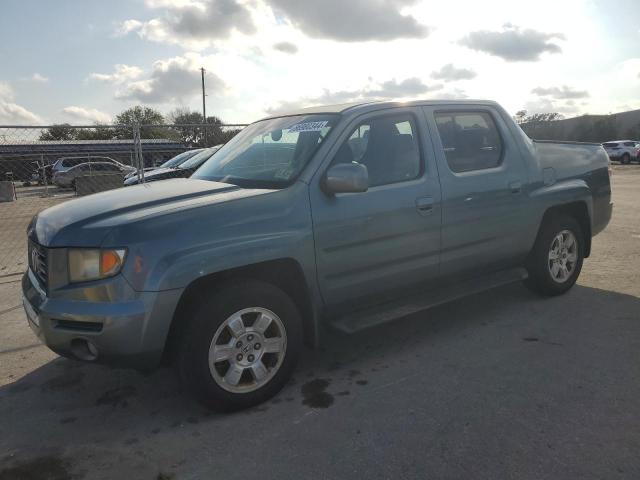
pixel 424 205
pixel 515 187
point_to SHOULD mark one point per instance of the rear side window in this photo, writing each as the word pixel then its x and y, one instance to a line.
pixel 105 167
pixel 72 162
pixel 610 145
pixel 471 140
pixel 387 146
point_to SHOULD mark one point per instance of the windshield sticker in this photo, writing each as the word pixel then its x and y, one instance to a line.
pixel 309 127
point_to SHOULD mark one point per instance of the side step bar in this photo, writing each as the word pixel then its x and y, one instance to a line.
pixel 379 314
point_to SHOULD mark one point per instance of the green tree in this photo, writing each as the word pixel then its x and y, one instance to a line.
pixel 62 131
pixel 101 133
pixel 189 126
pixel 542 126
pixel 633 133
pixel 595 129
pixel 147 117
pixel 520 116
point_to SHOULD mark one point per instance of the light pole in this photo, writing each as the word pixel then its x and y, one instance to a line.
pixel 204 106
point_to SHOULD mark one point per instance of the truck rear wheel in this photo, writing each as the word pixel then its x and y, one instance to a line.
pixel 625 159
pixel 241 346
pixel 556 259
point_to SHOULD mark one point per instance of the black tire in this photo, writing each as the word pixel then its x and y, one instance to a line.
pixel 208 316
pixel 540 278
pixel 625 159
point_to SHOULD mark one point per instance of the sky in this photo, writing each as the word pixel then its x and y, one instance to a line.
pixel 84 61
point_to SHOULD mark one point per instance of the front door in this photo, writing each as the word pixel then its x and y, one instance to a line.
pixel 374 245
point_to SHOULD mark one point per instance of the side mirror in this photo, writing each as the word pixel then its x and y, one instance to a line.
pixel 346 178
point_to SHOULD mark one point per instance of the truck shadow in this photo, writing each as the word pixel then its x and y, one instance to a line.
pixel 79 404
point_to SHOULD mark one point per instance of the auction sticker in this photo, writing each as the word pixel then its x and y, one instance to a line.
pixel 308 127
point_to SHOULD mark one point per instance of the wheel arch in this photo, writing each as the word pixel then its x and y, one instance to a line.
pixel 284 273
pixel 577 210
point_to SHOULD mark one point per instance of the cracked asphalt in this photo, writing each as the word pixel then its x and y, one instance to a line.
pixel 503 384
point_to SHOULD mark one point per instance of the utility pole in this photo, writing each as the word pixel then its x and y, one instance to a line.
pixel 204 107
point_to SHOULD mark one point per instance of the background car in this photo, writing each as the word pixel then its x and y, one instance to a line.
pixel 67 179
pixel 623 150
pixel 182 170
pixel 65 163
pixel 171 163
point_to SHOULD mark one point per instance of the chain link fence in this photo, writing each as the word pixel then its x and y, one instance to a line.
pixel 44 166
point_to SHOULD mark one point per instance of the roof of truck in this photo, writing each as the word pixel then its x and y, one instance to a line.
pixel 365 106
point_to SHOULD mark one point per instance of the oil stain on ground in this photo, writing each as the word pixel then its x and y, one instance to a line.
pixel 116 396
pixel 314 394
pixel 50 467
pixel 63 382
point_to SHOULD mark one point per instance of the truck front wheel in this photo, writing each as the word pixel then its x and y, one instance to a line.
pixel 625 159
pixel 241 346
pixel 556 259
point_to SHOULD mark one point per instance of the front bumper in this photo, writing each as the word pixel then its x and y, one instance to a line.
pixel 127 328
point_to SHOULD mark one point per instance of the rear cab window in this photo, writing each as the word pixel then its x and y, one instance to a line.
pixel 470 139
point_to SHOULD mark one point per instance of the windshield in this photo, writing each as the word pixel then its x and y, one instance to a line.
pixel 198 158
pixel 270 153
pixel 178 159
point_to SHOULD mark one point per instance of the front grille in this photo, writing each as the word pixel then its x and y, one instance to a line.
pixel 38 262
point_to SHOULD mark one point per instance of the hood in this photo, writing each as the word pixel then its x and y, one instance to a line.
pixel 86 221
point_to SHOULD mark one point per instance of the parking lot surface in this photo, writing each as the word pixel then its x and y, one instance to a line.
pixel 503 384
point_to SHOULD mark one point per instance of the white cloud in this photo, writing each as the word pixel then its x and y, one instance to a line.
pixel 36 77
pixel 497 60
pixel 193 25
pixel 122 73
pixel 560 93
pixel 127 27
pixel 83 114
pixel 513 44
pixel 352 20
pixel 390 89
pixel 172 80
pixel 286 47
pixel 12 113
pixel 449 73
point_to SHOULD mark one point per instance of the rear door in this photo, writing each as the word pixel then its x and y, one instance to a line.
pixel 378 244
pixel 484 184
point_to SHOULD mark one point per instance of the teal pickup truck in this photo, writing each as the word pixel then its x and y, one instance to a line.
pixel 347 215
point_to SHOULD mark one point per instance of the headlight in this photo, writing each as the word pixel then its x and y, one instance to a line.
pixel 92 264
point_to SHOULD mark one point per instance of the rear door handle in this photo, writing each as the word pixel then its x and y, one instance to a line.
pixel 515 187
pixel 424 205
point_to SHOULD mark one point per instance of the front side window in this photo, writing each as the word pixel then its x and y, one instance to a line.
pixel 470 140
pixel 270 153
pixel 387 146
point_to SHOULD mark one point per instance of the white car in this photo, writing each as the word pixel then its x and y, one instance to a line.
pixel 623 150
pixel 67 179
pixel 65 163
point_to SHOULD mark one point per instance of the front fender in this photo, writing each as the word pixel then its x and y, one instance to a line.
pixel 178 248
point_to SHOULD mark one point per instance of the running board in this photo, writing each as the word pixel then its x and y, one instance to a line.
pixel 379 314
